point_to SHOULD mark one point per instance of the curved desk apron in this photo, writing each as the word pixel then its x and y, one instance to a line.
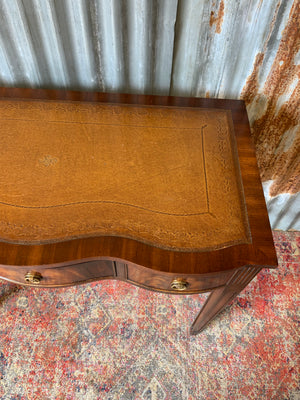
pixel 162 192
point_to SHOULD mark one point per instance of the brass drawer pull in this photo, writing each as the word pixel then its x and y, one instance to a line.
pixel 33 277
pixel 179 284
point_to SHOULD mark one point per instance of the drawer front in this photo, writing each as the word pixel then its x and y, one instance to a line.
pixel 175 283
pixel 104 269
pixel 59 276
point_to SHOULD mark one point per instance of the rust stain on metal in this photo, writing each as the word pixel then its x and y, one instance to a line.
pixel 251 88
pixel 218 19
pixel 276 132
pixel 260 4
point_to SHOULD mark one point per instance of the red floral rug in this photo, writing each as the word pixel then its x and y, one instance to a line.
pixel 110 340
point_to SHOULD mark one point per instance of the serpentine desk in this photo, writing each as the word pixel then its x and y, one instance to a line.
pixel 162 192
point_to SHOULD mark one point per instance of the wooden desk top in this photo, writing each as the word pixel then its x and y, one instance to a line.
pixel 167 183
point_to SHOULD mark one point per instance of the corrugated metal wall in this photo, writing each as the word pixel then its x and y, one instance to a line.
pixel 218 48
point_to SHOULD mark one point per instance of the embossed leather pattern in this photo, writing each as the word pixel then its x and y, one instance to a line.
pixel 168 176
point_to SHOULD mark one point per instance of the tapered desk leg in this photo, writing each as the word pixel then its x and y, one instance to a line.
pixel 220 297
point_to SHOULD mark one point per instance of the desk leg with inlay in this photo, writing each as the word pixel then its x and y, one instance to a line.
pixel 220 297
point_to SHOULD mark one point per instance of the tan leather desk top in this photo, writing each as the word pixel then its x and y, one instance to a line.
pixel 167 176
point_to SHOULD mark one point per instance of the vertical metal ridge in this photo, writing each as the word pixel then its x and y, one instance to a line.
pixel 46 42
pixel 75 30
pixel 7 78
pixel 106 16
pixel 138 42
pixel 17 44
pixel 164 38
pixel 188 32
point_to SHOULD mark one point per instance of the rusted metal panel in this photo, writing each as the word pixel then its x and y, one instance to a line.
pixel 274 109
pixel 215 48
pixel 283 209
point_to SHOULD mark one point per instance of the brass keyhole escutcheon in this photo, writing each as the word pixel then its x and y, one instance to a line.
pixel 33 277
pixel 179 284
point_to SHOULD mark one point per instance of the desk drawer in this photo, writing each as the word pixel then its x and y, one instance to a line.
pixel 175 283
pixel 59 276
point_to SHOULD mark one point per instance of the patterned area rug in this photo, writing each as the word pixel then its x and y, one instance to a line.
pixel 110 340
